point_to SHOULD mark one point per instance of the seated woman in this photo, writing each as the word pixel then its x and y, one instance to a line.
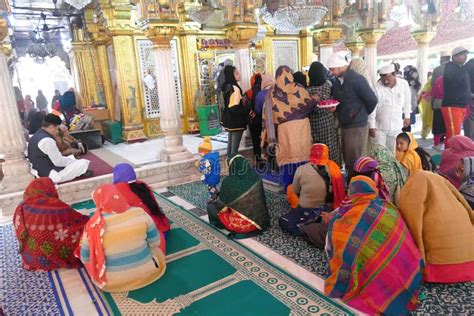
pixel 465 174
pixel 441 222
pixel 374 264
pixel 241 203
pixel 393 173
pixel 48 230
pixel 74 118
pixel 121 246
pixel 366 166
pixel 459 147
pixel 318 182
pixel 68 145
pixel 139 194
pixel 406 152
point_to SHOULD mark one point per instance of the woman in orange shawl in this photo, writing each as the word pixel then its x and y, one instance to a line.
pixel 309 175
pixel 442 224
pixel 406 152
pixel 48 230
pixel 374 264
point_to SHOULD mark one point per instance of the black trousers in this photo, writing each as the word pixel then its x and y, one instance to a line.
pixel 255 127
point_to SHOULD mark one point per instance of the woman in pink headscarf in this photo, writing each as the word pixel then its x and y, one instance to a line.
pixel 459 147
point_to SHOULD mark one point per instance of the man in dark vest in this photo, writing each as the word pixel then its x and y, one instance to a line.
pixel 46 159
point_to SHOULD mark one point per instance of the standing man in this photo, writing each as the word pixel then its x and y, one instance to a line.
pixel 41 102
pixel 46 159
pixel 357 101
pixel 438 129
pixel 457 92
pixel 386 120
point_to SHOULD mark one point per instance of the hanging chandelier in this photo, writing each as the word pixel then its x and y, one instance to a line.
pixel 201 10
pixel 293 15
pixel 39 51
pixel 78 4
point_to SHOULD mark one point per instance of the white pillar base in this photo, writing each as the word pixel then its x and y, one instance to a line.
pixel 174 149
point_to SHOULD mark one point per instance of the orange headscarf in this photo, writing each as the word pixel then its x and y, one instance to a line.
pixel 108 200
pixel 319 156
pixel 410 159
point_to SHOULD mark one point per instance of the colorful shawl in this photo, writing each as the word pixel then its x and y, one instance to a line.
pixel 108 200
pixel 459 147
pixel 369 167
pixel 393 173
pixel 48 230
pixel 242 205
pixel 374 264
pixel 441 222
pixel 320 156
pixel 410 159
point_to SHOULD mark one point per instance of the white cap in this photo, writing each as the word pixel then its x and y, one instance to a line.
pixel 387 69
pixel 444 53
pixel 459 50
pixel 338 59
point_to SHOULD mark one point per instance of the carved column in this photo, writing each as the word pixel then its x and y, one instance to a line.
pixel 170 120
pixel 423 39
pixel 240 34
pixel 326 38
pixel 356 48
pixel 16 169
pixel 370 37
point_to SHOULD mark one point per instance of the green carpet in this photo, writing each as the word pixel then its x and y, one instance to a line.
pixel 435 299
pixel 208 274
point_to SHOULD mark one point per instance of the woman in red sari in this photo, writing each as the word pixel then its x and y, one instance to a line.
pixel 48 230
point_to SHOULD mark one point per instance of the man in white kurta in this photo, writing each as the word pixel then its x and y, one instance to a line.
pixel 394 96
pixel 46 159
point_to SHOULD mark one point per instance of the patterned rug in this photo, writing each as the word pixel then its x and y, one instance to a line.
pixel 205 274
pixel 436 299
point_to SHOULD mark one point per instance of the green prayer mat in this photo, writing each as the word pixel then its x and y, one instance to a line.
pixel 209 274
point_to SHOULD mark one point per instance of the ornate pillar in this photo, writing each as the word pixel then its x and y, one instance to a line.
pixel 306 48
pixel 268 49
pixel 370 37
pixel 326 38
pixel 117 16
pixel 160 35
pixel 83 54
pixel 356 48
pixel 240 34
pixel 16 169
pixel 423 39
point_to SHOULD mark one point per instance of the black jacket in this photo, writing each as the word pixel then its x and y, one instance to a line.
pixel 357 100
pixel 234 118
pixel 456 86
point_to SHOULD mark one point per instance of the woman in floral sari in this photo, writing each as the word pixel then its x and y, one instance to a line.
pixel 241 204
pixel 285 119
pixel 48 230
pixel 374 264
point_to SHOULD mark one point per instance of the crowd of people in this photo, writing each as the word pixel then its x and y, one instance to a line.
pixel 358 185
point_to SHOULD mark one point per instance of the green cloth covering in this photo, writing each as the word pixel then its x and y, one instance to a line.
pixel 243 191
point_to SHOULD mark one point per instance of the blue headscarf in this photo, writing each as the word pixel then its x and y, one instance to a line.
pixel 124 173
pixel 67 101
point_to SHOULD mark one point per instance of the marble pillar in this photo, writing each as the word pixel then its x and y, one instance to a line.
pixel 170 119
pixel 370 38
pixel 16 169
pixel 324 52
pixel 244 64
pixel 326 36
pixel 423 39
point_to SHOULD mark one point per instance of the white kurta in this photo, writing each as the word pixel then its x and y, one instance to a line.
pixel 73 167
pixel 387 117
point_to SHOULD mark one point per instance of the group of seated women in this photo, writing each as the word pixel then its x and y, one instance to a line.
pixel 397 226
pixel 52 235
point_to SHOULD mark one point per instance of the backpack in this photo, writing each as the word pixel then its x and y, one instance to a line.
pixel 293 220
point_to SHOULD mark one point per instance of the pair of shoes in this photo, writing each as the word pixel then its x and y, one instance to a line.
pixel 88 174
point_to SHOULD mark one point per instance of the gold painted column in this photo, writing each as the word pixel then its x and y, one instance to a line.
pixel 423 39
pixel 83 54
pixel 268 49
pixel 189 77
pixel 161 35
pixel 370 37
pixel 16 169
pixel 326 37
pixel 306 48
pixel 356 48
pixel 105 75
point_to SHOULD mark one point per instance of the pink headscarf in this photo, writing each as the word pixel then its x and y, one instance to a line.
pixel 459 147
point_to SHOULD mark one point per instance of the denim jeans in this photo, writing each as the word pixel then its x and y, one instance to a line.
pixel 233 143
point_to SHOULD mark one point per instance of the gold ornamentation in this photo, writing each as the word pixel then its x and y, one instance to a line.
pixel 355 48
pixel 371 36
pixel 328 35
pixel 423 37
pixel 161 34
pixel 259 60
pixel 3 28
pixel 240 34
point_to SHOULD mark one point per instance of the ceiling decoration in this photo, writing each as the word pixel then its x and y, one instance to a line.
pixel 78 4
pixel 293 15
